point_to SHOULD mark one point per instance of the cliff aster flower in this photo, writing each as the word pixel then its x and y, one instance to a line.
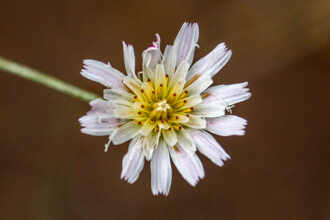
pixel 167 110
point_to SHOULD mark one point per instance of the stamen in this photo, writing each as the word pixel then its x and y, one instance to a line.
pixel 176 148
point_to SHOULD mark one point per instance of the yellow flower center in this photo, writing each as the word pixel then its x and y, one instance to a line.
pixel 161 102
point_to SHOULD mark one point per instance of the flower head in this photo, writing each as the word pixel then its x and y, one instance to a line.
pixel 166 109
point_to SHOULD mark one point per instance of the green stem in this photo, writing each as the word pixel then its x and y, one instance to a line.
pixel 46 80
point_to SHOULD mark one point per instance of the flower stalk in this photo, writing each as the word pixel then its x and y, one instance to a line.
pixel 46 80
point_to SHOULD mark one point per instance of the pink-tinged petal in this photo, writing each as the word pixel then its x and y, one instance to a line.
pixel 102 73
pixel 212 63
pixel 227 125
pixel 229 94
pixel 161 171
pixel 152 55
pixel 99 120
pixel 189 165
pixel 129 59
pixel 207 145
pixel 186 42
pixel 133 161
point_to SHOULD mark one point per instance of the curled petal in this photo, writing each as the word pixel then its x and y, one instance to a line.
pixel 152 55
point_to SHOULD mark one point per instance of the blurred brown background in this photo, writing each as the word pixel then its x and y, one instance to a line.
pixel 279 170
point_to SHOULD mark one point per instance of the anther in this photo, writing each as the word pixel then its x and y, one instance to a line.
pixel 166 75
pixel 184 101
pixel 169 129
pixel 135 97
pixel 161 85
pixel 142 106
pixel 176 117
pixel 140 123
pixel 174 94
pixel 139 113
pixel 142 91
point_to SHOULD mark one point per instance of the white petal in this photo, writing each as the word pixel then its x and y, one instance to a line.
pixel 133 161
pixel 229 94
pixel 189 165
pixel 186 141
pixel 99 121
pixel 180 73
pixel 129 59
pixel 152 55
pixel 169 137
pixel 169 59
pixel 226 125
pixel 102 73
pixel 196 122
pixel 97 131
pixel 211 63
pixel 185 43
pixel 207 145
pixel 209 109
pixel 147 128
pixel 201 84
pixel 125 112
pixel 161 171
pixel 114 95
pixel 150 142
pixel 125 132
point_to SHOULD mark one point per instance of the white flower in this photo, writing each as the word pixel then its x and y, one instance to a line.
pixel 166 109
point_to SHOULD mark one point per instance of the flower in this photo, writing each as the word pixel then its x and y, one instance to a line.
pixel 167 110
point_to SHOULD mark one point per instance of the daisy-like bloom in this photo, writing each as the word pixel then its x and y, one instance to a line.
pixel 167 110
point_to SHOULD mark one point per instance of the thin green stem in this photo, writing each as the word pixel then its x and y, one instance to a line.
pixel 46 80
